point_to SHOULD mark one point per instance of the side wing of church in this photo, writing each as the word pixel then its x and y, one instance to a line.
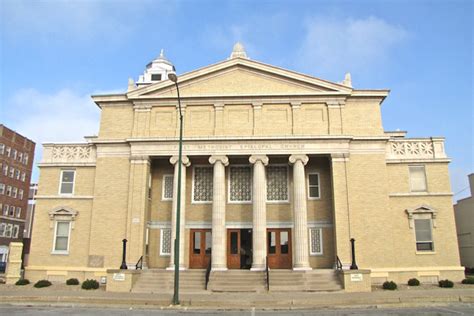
pixel 278 168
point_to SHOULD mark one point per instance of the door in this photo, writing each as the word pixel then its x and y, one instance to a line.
pixel 200 248
pixel 279 248
pixel 233 248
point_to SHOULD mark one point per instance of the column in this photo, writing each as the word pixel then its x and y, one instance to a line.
pixel 300 212
pixel 219 258
pixel 341 207
pixel 259 199
pixel 185 163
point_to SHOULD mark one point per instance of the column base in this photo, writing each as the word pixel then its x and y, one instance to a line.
pixel 181 268
pixel 302 268
pixel 257 268
pixel 218 269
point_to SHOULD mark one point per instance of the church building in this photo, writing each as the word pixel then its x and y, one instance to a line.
pixel 279 169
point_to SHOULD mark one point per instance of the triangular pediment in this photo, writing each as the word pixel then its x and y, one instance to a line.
pixel 240 77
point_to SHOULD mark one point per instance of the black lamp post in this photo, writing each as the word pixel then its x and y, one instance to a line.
pixel 124 254
pixel 354 264
pixel 172 76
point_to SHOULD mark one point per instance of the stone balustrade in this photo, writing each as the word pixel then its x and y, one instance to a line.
pixel 80 154
pixel 416 148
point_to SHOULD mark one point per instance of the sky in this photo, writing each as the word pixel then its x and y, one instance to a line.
pixel 55 54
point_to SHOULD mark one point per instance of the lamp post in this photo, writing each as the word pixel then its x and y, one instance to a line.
pixel 173 77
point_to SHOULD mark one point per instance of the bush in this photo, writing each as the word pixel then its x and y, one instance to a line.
pixel 22 282
pixel 413 282
pixel 90 284
pixel 42 283
pixel 72 282
pixel 468 281
pixel 389 285
pixel 446 283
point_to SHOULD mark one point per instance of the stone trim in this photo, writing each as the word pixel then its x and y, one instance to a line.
pixel 414 194
pixel 64 197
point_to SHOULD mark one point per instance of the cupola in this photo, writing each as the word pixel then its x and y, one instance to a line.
pixel 157 70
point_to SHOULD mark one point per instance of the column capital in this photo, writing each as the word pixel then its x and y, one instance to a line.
pixel 257 105
pixel 294 158
pixel 140 159
pixel 184 160
pixel 254 158
pixel 219 106
pixel 214 158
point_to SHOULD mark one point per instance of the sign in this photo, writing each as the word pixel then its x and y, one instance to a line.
pixel 356 277
pixel 119 277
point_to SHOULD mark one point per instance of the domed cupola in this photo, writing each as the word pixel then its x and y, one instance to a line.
pixel 156 71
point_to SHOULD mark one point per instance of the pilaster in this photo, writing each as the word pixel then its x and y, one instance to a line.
pixel 296 111
pixel 335 124
pixel 219 119
pixel 257 118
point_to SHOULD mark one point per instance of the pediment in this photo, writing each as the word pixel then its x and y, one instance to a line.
pixel 240 77
pixel 63 212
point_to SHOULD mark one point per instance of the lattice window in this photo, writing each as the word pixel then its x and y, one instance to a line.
pixel 240 187
pixel 277 183
pixel 165 242
pixel 316 241
pixel 202 190
pixel 167 187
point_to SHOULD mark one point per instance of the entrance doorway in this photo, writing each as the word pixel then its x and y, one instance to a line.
pixel 279 248
pixel 239 248
pixel 200 248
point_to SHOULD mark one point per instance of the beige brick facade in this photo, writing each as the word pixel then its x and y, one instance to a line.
pixel 241 108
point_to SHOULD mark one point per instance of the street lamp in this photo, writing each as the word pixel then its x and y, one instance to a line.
pixel 173 77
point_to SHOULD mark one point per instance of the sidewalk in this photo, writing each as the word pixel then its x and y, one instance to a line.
pixel 201 300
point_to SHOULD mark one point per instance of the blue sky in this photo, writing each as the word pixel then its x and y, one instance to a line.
pixel 55 54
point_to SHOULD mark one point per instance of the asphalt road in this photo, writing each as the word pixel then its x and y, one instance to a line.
pixel 454 309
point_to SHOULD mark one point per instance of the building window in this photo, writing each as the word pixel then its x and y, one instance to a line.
pixel 165 242
pixel 12 211
pixel 277 183
pixel 167 192
pixel 14 154
pixel 5 170
pixel 20 157
pixel 3 227
pixel 15 231
pixel 61 237
pixel 202 184
pixel 25 159
pixel 316 241
pixel 20 194
pixel 8 151
pixel 9 190
pixel 67 182
pixel 2 149
pixel 17 174
pixel 8 230
pixel 313 186
pixel 14 192
pixel 240 184
pixel 5 209
pixel 12 172
pixel 18 212
pixel 417 179
pixel 155 77
pixel 2 188
pixel 424 238
pixel 23 176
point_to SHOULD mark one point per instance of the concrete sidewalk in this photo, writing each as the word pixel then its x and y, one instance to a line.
pixel 229 301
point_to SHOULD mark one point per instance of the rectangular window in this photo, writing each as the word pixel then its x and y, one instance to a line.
pixel 25 159
pixel 155 77
pixel 313 186
pixel 277 183
pixel 12 211
pixel 2 229
pixel 165 242
pixel 167 192
pixel 2 188
pixel 23 176
pixel 5 170
pixel 20 157
pixel 424 239
pixel 20 194
pixel 17 174
pixel 67 182
pixel 8 230
pixel 5 209
pixel 12 172
pixel 18 212
pixel 14 192
pixel 15 231
pixel 202 184
pixel 316 241
pixel 417 179
pixel 2 149
pixel 9 190
pixel 61 238
pixel 240 184
pixel 8 150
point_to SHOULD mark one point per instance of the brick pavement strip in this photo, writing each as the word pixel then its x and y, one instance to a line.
pixel 286 300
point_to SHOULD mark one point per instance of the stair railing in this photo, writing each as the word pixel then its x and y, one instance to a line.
pixel 338 263
pixel 267 273
pixel 208 272
pixel 139 265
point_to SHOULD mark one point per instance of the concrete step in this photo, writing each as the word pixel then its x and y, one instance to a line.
pixel 162 281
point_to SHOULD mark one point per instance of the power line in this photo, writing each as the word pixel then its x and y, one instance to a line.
pixel 462 190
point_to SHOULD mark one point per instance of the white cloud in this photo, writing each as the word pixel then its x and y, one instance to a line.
pixel 333 46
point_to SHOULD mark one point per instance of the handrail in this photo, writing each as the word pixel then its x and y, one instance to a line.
pixel 208 272
pixel 139 264
pixel 338 263
pixel 267 271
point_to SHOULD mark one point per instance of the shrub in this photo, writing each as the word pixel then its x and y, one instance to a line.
pixel 389 285
pixel 42 283
pixel 72 282
pixel 413 282
pixel 90 284
pixel 468 281
pixel 22 282
pixel 446 283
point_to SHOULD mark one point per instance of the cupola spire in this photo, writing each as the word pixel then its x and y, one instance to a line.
pixel 238 51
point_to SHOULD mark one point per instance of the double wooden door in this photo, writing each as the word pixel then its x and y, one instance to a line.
pixel 279 248
pixel 200 248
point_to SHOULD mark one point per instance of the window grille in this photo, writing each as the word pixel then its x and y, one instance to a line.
pixel 277 183
pixel 240 184
pixel 202 189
